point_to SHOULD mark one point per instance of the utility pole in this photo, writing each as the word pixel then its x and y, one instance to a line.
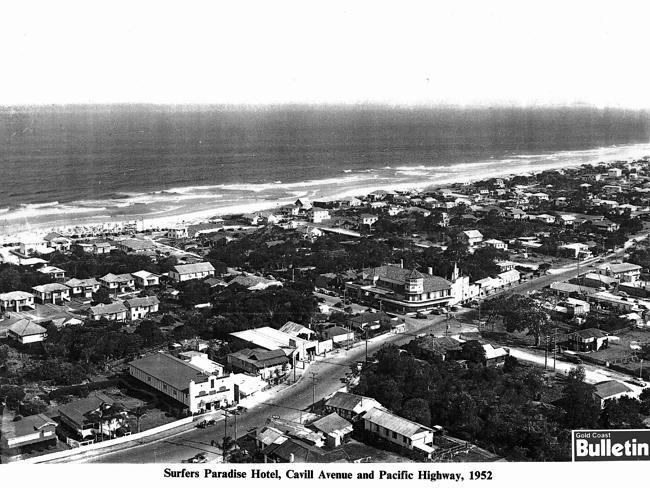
pixel 546 353
pixel 294 367
pixel 554 348
pixel 225 427
pixel 366 329
pixel 314 380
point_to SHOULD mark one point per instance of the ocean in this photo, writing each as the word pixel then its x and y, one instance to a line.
pixel 80 164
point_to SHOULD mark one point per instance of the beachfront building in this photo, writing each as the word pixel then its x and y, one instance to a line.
pixel 318 215
pixel 196 271
pixel 56 293
pixel 27 332
pixel 120 283
pixel 139 308
pixel 179 232
pixel 115 312
pixel 145 279
pixel 33 244
pixel 16 301
pixel 83 288
pixel 194 388
pixel 395 288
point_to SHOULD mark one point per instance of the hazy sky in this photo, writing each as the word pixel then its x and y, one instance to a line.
pixel 458 52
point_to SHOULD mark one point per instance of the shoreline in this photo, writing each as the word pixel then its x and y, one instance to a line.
pixel 309 190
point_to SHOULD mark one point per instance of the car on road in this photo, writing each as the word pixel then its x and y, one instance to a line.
pixel 420 315
pixel 197 458
pixel 637 382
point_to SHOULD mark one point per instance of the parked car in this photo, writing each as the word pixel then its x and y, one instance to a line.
pixel 197 458
pixel 637 382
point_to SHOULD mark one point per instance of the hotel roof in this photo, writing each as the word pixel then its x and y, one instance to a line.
pixel 171 370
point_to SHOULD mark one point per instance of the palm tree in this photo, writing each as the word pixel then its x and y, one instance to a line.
pixel 227 445
pixel 138 412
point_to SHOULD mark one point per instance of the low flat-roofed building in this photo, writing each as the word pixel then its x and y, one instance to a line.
pixel 272 339
pixel 16 301
pixel 33 429
pixel 194 388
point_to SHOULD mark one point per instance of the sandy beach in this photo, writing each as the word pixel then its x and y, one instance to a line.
pixel 198 204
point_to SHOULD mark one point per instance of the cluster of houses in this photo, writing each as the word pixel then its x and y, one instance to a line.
pixel 287 442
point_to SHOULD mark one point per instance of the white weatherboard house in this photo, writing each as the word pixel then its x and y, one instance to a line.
pixel 400 431
pixel 140 307
pixel 15 301
pixel 52 293
pixel 27 332
pixel 198 390
pixel 196 271
pixel 144 279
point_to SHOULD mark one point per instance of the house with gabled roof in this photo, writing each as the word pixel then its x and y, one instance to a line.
pixel 350 406
pixel 336 429
pixel 34 429
pixel 94 418
pixel 400 431
pixel 140 307
pixel 195 271
pixel 260 362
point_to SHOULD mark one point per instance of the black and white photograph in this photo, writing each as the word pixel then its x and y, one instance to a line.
pixel 306 242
